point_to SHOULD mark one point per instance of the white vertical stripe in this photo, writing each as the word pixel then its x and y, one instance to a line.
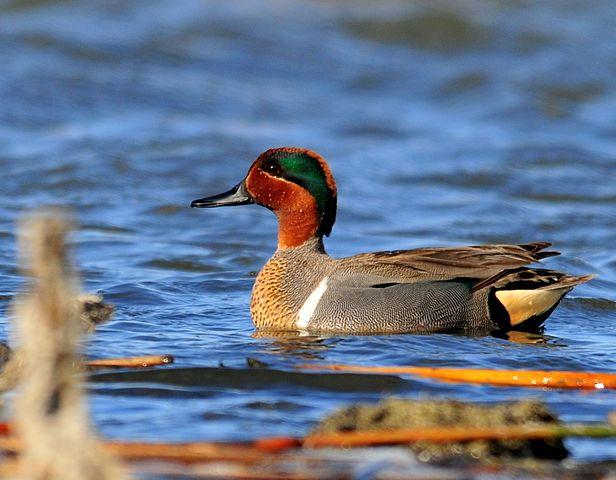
pixel 311 303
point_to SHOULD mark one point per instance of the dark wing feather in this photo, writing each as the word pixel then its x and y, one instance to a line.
pixel 531 279
pixel 480 262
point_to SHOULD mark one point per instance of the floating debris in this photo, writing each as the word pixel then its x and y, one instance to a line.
pixel 93 311
pixel 130 362
pixel 510 378
pixel 255 363
pixel 394 414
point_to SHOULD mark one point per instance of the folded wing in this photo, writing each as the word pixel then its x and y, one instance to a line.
pixel 478 262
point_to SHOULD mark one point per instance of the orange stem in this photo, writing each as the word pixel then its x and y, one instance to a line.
pixel 187 453
pixel 130 362
pixel 522 378
pixel 277 444
pixel 262 449
pixel 454 434
pixel 5 429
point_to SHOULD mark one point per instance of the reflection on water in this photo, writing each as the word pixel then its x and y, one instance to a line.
pixel 295 345
pixel 449 123
pixel 529 338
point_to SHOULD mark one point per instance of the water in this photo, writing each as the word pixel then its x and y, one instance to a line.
pixel 473 122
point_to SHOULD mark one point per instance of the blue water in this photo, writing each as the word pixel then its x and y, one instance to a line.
pixel 473 122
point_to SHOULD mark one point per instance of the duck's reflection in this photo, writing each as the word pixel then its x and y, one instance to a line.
pixel 307 346
pixel 530 338
pixel 296 344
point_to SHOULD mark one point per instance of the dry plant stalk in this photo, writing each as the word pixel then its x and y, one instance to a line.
pixel 515 378
pixel 456 434
pixel 129 362
pixel 51 417
pixel 10 372
pixel 264 450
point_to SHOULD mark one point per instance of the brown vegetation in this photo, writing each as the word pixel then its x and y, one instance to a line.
pixel 51 418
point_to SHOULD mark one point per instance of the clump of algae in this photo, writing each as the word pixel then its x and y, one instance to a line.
pixel 392 414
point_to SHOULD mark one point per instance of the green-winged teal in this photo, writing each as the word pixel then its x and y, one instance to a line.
pixel 465 289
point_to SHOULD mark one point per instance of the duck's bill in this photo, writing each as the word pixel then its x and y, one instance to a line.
pixel 238 195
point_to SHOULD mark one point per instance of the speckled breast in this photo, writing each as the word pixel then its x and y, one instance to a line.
pixel 270 305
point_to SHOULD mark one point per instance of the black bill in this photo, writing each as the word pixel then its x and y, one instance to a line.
pixel 238 195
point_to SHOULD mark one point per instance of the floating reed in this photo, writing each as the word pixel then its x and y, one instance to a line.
pixel 130 362
pixel 515 378
pixel 253 452
pixel 457 434
pixel 11 371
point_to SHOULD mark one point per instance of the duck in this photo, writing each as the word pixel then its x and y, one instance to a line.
pixel 468 289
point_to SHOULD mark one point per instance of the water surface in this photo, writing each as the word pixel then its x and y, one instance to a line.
pixel 477 122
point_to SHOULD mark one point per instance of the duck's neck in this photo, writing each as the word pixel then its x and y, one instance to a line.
pixel 312 245
pixel 297 227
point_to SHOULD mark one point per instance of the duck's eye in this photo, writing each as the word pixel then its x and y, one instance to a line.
pixel 271 167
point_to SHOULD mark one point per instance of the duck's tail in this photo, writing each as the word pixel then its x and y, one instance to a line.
pixel 529 295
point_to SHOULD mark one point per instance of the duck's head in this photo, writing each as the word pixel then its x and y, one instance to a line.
pixel 296 184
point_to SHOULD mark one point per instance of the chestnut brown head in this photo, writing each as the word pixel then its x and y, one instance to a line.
pixel 296 184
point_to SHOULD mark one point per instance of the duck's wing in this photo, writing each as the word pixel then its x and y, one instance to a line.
pixel 478 262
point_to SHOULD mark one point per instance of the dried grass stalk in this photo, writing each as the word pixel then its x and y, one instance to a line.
pixel 51 417
pixel 515 378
